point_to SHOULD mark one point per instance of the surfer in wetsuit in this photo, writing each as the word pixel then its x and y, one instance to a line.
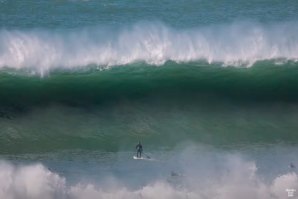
pixel 139 148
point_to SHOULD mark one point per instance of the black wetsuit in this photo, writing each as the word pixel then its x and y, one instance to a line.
pixel 139 148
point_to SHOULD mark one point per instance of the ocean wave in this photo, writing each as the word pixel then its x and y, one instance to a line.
pixel 237 44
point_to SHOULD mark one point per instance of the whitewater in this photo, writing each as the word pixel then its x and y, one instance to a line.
pixel 238 44
pixel 226 175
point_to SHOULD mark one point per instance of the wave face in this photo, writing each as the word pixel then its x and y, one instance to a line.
pixel 263 82
pixel 238 44
pixel 109 110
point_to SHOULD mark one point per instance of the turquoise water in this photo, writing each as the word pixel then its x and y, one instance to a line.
pixel 209 87
pixel 181 14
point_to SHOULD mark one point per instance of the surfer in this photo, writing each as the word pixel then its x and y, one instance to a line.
pixel 139 148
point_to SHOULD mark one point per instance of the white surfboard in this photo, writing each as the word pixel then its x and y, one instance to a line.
pixel 142 158
pixel 138 158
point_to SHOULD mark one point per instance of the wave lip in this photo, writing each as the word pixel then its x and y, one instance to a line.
pixel 236 44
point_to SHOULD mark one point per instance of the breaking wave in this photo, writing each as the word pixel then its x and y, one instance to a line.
pixel 238 44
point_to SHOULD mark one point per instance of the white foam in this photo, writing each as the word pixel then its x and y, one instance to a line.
pixel 237 179
pixel 235 44
pixel 29 182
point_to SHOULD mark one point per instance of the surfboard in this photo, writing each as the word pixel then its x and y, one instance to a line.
pixel 138 158
pixel 144 158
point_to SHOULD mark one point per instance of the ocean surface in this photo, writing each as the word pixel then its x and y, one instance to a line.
pixel 210 88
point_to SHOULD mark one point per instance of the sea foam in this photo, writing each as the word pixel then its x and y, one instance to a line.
pixel 237 178
pixel 153 43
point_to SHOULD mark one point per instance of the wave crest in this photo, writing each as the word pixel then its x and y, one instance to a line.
pixel 154 43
